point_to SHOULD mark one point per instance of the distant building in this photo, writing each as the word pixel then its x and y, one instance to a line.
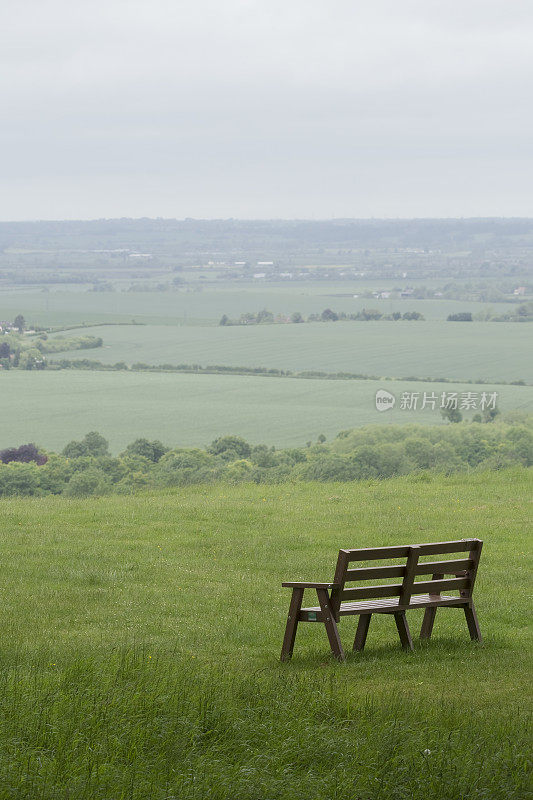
pixel 265 263
pixel 520 290
pixel 259 274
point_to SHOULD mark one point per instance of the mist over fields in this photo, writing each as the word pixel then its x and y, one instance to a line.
pixel 376 302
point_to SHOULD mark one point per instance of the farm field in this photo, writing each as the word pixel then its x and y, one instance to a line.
pixel 477 351
pixel 208 304
pixel 141 637
pixel 51 408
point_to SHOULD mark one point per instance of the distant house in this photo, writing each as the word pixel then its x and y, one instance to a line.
pixel 520 290
pixel 259 274
pixel 407 293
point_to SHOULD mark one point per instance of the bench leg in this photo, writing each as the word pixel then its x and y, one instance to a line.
pixel 331 625
pixel 473 624
pixel 427 622
pixel 292 624
pixel 403 630
pixel 362 630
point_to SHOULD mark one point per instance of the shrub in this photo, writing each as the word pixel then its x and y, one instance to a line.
pixel 19 479
pixel 92 444
pixel 153 451
pixel 230 448
pixel 23 454
pixel 91 481
pixel 184 467
pixel 463 316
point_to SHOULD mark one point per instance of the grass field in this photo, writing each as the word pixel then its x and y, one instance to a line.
pixel 51 408
pixel 207 305
pixel 460 351
pixel 141 635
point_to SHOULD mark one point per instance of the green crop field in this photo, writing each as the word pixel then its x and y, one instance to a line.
pixel 141 636
pixel 208 304
pixel 51 408
pixel 460 351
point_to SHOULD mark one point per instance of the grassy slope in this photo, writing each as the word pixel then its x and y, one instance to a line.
pixel 487 351
pixel 51 408
pixel 141 637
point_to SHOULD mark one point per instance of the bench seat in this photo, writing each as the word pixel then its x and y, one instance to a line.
pixel 390 604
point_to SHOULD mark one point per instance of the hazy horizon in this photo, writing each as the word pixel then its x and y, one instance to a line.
pixel 268 219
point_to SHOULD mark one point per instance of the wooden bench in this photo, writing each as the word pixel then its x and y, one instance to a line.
pixel 336 599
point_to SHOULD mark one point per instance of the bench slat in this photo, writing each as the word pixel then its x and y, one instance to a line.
pixel 369 554
pixel 444 567
pixel 369 573
pixel 434 587
pixel 401 551
pixel 447 547
pixel 385 605
pixel 392 590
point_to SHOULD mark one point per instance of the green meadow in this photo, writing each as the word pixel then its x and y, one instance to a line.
pixel 207 304
pixel 141 638
pixel 51 408
pixel 438 349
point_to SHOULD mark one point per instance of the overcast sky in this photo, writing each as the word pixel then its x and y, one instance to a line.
pixel 266 108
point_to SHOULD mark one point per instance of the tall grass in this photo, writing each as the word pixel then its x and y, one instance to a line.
pixel 139 655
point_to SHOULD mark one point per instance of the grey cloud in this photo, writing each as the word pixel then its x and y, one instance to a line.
pixel 266 108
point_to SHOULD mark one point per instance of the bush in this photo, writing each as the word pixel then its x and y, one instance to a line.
pixel 19 479
pixel 184 467
pixel 230 448
pixel 54 475
pixel 91 481
pixel 463 316
pixel 92 444
pixel 153 451
pixel 23 454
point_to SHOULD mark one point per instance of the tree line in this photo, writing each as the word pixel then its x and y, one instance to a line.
pixel 86 467
pixel 265 317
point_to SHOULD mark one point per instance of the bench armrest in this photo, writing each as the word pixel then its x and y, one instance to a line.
pixel 308 585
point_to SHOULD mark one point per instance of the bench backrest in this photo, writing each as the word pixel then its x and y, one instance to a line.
pixel 406 563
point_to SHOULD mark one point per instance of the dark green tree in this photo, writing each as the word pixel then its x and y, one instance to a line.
pixel 92 444
pixel 451 414
pixel 153 451
pixel 229 446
